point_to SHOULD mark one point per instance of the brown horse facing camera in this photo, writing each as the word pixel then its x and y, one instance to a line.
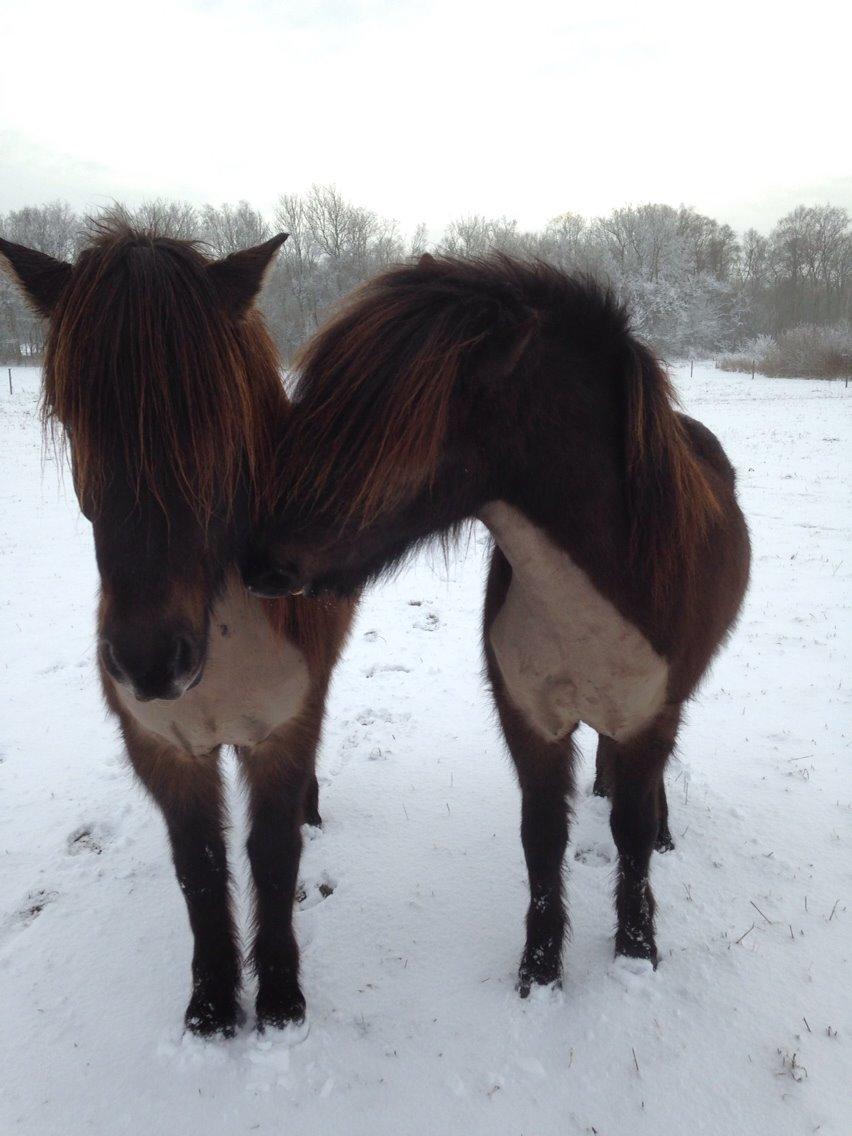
pixel 512 393
pixel 168 388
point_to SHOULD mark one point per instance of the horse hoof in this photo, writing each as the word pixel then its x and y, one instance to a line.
pixel 538 971
pixel 664 842
pixel 636 944
pixel 279 1012
pixel 207 1017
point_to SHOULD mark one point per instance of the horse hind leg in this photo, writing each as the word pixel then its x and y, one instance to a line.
pixel 637 823
pixel 604 769
pixel 664 842
pixel 312 813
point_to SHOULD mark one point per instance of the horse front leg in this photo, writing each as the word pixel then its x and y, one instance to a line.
pixel 188 790
pixel 545 775
pixel 280 777
pixel 545 771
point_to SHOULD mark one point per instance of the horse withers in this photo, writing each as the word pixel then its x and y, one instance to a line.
pixel 162 376
pixel 513 393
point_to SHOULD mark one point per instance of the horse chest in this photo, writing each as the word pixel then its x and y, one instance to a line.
pixel 565 653
pixel 253 681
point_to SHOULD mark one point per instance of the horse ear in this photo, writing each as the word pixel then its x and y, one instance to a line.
pixel 238 278
pixel 41 278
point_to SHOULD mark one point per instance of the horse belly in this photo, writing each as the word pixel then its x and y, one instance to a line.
pixel 253 682
pixel 565 653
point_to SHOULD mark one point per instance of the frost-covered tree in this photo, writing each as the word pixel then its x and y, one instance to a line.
pixel 691 284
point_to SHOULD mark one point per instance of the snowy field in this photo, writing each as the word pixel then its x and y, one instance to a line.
pixel 409 962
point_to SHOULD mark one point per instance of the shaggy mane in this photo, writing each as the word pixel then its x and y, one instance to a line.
pixel 377 382
pixel 143 365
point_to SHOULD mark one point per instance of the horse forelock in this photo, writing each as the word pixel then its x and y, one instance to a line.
pixel 143 367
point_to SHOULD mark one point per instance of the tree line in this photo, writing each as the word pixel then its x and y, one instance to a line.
pixel 693 284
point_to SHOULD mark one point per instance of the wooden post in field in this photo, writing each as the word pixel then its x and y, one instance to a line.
pixel 691 365
pixel 753 364
pixel 10 380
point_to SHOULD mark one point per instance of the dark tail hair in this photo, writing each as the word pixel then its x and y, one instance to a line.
pixel 671 504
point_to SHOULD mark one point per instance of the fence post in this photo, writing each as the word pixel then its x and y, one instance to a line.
pixel 691 365
pixel 10 381
pixel 753 365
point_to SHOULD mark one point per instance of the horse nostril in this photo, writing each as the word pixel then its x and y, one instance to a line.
pixel 107 653
pixel 162 665
pixel 184 658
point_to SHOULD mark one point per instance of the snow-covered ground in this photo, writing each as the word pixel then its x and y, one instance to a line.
pixel 409 963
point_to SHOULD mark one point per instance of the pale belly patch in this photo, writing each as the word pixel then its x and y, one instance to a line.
pixel 565 653
pixel 253 682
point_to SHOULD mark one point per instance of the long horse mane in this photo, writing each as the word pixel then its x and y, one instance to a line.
pixel 143 364
pixel 377 382
pixel 393 356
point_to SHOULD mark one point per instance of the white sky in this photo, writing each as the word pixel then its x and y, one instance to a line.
pixel 427 111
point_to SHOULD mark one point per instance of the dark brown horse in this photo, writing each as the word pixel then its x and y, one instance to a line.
pixel 510 392
pixel 168 389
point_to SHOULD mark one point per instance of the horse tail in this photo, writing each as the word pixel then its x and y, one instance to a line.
pixel 671 504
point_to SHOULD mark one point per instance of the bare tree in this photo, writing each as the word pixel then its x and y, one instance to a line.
pixel 54 229
pixel 179 219
pixel 229 228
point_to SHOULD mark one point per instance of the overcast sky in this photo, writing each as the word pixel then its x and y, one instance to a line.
pixel 427 111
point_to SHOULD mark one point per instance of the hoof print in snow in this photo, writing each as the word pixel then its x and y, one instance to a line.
pixel 371 672
pixel 631 972
pixel 33 906
pixel 593 854
pixel 86 838
pixel 309 895
pixel 431 622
